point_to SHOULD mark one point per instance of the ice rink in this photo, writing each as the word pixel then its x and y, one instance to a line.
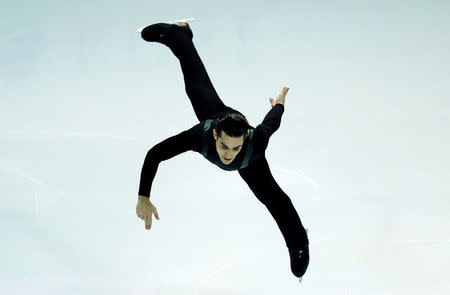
pixel 362 150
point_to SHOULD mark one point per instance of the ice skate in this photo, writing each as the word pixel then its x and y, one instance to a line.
pixel 165 33
pixel 180 22
pixel 299 260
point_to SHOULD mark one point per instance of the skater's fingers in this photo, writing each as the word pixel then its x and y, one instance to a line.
pixel 140 214
pixel 283 92
pixel 156 214
pixel 148 222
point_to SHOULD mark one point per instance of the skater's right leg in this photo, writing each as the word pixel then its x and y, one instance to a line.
pixel 198 86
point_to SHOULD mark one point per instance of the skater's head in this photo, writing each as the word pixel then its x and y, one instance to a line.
pixel 229 134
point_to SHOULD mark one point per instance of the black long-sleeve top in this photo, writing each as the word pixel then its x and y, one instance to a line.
pixel 193 139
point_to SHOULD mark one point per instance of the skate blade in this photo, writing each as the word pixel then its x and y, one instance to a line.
pixel 179 22
pixel 184 20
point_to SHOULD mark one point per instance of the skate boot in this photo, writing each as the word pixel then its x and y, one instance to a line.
pixel 167 33
pixel 299 261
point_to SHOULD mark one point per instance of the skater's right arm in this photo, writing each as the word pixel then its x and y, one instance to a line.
pixel 186 140
pixel 190 139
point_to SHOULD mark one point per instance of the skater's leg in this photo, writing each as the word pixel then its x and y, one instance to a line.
pixel 260 180
pixel 199 88
pixel 198 85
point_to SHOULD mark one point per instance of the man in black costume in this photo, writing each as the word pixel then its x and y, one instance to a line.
pixel 225 138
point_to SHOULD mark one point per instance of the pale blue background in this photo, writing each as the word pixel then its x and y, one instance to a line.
pixel 363 147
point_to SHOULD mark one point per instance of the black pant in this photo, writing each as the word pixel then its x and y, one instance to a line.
pixel 257 175
pixel 199 88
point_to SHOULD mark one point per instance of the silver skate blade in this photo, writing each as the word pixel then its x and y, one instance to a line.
pixel 300 279
pixel 184 20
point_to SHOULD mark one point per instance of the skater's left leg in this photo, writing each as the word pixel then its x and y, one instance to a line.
pixel 260 180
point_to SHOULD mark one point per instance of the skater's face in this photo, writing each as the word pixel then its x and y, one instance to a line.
pixel 228 147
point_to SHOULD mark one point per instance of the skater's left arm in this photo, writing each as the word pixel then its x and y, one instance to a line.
pixel 271 121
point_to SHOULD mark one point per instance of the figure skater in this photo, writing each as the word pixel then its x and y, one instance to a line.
pixel 225 138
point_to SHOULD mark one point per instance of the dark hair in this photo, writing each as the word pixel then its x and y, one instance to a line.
pixel 234 124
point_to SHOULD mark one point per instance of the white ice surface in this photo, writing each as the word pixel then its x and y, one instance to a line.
pixel 362 149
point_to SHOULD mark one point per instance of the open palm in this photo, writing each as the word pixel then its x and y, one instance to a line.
pixel 281 97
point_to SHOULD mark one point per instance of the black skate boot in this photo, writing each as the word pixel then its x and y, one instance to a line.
pixel 299 261
pixel 167 33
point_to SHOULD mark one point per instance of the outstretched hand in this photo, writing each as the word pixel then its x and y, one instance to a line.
pixel 144 210
pixel 280 98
